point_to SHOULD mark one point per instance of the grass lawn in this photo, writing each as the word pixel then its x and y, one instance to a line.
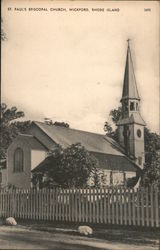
pixel 115 234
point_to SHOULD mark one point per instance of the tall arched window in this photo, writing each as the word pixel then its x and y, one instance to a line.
pixel 18 160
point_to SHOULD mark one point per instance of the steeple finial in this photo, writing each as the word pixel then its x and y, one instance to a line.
pixel 128 40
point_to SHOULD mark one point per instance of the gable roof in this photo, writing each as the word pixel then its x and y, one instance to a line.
pixel 31 141
pixel 91 141
pixel 103 147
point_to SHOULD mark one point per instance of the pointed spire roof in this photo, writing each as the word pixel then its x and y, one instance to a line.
pixel 130 90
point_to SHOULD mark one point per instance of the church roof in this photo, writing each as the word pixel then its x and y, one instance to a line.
pixel 130 90
pixel 91 141
pixel 31 141
pixel 105 161
pixel 110 162
pixel 108 152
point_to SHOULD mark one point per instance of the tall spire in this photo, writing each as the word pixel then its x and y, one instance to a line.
pixel 131 124
pixel 129 84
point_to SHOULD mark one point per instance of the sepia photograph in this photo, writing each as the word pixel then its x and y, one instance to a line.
pixel 80 125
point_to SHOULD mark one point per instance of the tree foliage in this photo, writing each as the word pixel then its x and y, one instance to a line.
pixel 49 121
pixel 151 171
pixel 98 178
pixel 67 168
pixel 115 114
pixel 3 34
pixel 61 124
pixel 108 128
pixel 9 127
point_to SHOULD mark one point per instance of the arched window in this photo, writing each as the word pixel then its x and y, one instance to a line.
pixel 18 160
pixel 132 108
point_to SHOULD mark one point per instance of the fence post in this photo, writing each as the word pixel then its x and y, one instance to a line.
pixel 121 207
pixel 156 207
pixel 125 206
pixel 97 205
pixel 72 204
pixel 133 207
pixel 147 207
pixel 109 206
pixel 152 207
pixel 79 205
pixel 105 212
pixel 86 205
pixel 138 210
pixel 117 205
pixel 142 206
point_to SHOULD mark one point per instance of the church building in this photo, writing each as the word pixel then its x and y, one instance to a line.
pixel 119 161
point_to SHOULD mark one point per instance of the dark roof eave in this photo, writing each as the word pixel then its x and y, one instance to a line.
pixel 127 158
pixel 130 98
pixel 120 124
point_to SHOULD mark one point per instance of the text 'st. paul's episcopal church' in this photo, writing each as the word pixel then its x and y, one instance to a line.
pixel 121 161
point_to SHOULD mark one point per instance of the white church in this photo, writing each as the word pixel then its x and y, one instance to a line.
pixel 120 161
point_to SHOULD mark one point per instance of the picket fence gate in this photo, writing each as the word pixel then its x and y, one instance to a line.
pixel 121 206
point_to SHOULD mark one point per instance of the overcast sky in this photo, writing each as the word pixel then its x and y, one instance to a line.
pixel 69 65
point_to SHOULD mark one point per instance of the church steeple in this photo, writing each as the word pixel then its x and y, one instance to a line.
pixel 131 125
pixel 130 97
pixel 130 90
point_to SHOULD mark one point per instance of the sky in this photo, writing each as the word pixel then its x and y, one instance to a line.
pixel 69 65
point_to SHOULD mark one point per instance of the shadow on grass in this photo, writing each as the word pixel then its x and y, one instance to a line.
pixel 34 240
pixel 112 233
pixel 117 236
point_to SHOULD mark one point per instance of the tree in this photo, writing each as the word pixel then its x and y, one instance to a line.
pixel 108 128
pixel 115 114
pixel 68 168
pixel 9 128
pixel 111 130
pixel 151 172
pixel 98 177
pixel 151 142
pixel 61 124
pixel 3 34
pixel 49 121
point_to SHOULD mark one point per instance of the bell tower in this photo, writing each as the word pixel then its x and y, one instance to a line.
pixel 131 125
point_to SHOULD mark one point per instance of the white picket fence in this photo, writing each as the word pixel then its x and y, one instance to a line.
pixel 121 206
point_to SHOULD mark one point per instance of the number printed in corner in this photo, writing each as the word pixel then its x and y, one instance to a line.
pixel 147 9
